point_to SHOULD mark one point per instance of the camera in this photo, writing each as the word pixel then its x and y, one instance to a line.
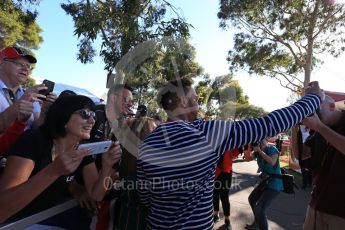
pixel 141 111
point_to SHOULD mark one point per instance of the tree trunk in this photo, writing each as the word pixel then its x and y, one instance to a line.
pixel 309 57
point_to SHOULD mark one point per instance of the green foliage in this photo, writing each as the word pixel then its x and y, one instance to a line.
pixel 121 25
pixel 203 90
pixel 224 98
pixel 17 24
pixel 225 89
pixel 30 82
pixel 237 111
pixel 283 39
pixel 170 59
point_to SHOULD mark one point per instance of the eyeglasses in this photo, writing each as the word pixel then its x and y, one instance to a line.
pixel 128 100
pixel 86 114
pixel 20 64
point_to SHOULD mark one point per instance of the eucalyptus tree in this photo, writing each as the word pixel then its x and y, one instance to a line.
pixel 18 26
pixel 224 98
pixel 121 25
pixel 283 39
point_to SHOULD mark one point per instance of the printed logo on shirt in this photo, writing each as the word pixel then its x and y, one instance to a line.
pixel 69 178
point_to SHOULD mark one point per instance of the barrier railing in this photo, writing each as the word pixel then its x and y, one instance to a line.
pixel 38 217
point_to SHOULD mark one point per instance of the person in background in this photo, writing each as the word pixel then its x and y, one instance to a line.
pixel 268 188
pixel 302 152
pixel 44 161
pixel 119 104
pixel 326 207
pixel 222 185
pixel 15 67
pixel 67 92
pixel 110 117
pixel 132 214
pixel 180 155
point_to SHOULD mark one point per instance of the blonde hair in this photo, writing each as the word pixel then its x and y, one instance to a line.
pixel 140 128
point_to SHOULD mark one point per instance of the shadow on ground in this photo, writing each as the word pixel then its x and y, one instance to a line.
pixel 286 211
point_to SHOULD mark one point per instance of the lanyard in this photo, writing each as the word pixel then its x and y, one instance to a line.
pixel 9 95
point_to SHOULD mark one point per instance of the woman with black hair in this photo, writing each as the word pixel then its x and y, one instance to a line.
pixel 43 162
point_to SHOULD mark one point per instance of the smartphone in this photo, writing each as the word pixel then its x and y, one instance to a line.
pixel 50 85
pixel 96 147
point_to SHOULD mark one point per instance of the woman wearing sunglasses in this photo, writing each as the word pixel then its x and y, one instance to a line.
pixel 43 162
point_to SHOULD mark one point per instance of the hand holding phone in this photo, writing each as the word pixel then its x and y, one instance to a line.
pixel 96 147
pixel 50 85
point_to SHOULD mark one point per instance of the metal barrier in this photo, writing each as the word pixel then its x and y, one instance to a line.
pixel 38 217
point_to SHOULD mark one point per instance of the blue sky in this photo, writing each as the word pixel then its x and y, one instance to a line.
pixel 57 55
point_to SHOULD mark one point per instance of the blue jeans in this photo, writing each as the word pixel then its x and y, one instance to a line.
pixel 260 199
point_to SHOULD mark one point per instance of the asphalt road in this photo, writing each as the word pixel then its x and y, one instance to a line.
pixel 286 211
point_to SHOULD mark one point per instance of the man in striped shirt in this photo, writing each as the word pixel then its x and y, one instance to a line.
pixel 176 163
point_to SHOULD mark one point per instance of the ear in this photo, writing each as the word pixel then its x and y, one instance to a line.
pixel 112 98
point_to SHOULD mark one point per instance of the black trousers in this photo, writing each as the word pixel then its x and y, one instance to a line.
pixel 306 172
pixel 221 190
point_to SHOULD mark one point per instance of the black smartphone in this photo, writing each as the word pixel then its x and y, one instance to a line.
pixel 50 85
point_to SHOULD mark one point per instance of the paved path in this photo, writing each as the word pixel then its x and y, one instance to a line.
pixel 286 211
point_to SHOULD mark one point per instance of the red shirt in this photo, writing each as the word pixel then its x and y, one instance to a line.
pixel 226 165
pixel 10 136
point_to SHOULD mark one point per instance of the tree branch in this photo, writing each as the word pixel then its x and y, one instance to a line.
pixel 284 75
pixel 276 37
pixel 285 86
pixel 325 22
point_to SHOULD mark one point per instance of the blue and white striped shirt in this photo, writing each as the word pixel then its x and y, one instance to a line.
pixel 176 163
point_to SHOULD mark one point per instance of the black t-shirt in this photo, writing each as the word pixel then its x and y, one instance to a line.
pixel 34 145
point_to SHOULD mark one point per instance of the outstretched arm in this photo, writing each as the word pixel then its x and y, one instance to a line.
pixel 225 135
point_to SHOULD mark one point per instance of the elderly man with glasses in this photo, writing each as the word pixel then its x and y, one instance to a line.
pixel 15 67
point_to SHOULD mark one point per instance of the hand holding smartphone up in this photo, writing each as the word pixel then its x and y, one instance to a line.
pixel 96 147
pixel 50 87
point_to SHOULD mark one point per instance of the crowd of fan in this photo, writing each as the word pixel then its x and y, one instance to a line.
pixel 165 171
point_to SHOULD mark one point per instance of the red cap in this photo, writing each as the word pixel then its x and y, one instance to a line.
pixel 15 53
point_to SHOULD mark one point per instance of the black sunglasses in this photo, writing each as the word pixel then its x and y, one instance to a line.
pixel 86 114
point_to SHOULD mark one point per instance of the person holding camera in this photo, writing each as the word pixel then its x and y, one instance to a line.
pixel 326 207
pixel 15 67
pixel 268 188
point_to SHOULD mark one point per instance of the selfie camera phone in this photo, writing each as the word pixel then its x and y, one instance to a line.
pixel 96 147
pixel 50 85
